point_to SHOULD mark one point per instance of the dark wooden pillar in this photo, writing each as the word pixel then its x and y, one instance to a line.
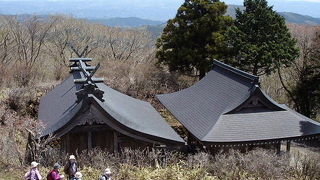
pixel 67 143
pixel 115 142
pixel 278 146
pixel 288 146
pixel 62 145
pixel 89 140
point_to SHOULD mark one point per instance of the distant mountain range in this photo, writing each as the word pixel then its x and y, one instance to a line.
pixel 134 13
pixel 159 10
pixel 289 16
pixel 300 19
pixel 126 22
pixel 137 22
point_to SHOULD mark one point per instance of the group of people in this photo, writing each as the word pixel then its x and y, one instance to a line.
pixel 70 169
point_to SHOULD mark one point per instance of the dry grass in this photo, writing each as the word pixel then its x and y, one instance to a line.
pixel 156 165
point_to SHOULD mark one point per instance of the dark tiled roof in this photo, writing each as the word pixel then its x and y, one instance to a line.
pixel 60 105
pixel 265 125
pixel 136 114
pixel 215 109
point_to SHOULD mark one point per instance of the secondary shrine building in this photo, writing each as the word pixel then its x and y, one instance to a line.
pixel 85 113
pixel 227 108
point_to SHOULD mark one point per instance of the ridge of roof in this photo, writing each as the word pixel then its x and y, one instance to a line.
pixel 253 78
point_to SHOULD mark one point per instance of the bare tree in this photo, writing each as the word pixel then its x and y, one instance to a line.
pixel 29 37
pixel 83 40
pixel 123 44
pixel 5 47
pixel 58 39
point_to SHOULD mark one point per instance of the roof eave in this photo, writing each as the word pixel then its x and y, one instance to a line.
pixel 263 141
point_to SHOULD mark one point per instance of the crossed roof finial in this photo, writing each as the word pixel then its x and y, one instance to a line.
pixel 87 79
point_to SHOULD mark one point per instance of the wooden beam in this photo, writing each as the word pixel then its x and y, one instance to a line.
pixel 88 68
pixel 95 80
pixel 80 59
pixel 92 128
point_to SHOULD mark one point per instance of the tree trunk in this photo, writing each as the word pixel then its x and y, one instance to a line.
pixel 202 73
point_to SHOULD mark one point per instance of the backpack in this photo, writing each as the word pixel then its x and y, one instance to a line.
pixel 107 178
pixel 29 175
pixel 49 176
pixel 73 168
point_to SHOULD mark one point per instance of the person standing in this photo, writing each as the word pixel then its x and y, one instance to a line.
pixel 34 173
pixel 71 167
pixel 54 174
pixel 107 174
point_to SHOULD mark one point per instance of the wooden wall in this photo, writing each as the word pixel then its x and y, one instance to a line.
pixel 98 136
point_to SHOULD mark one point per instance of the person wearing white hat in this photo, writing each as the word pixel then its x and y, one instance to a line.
pixel 77 176
pixel 72 157
pixel 34 173
pixel 71 167
pixel 107 174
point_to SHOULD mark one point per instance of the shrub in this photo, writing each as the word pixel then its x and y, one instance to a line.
pixel 306 166
pixel 13 137
pixel 25 101
pixel 254 164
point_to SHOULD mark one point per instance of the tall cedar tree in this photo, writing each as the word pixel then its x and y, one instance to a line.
pixel 194 37
pixel 260 39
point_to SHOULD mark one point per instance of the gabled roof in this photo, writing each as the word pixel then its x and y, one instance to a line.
pixel 228 106
pixel 60 106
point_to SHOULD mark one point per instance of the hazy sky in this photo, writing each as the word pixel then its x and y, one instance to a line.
pixel 271 1
pixel 148 9
pixel 233 1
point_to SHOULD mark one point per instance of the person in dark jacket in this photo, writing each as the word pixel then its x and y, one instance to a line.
pixel 54 174
pixel 71 167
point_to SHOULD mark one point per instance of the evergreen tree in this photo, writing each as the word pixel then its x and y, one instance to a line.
pixel 194 37
pixel 306 92
pixel 260 39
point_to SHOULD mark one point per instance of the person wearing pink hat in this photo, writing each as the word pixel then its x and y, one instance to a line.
pixel 34 173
